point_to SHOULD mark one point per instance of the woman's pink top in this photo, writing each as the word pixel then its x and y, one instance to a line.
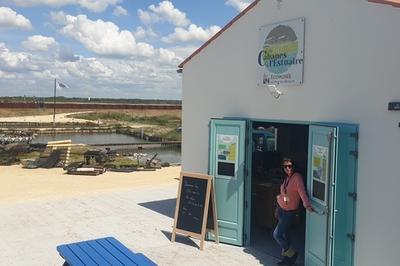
pixel 295 190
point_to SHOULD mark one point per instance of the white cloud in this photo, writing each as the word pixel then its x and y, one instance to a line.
pixel 168 57
pixel 141 33
pixel 152 77
pixel 239 5
pixel 65 54
pixel 164 12
pixel 15 61
pixel 101 37
pixel 183 51
pixel 193 33
pixel 92 5
pixel 59 18
pixel 39 43
pixel 120 11
pixel 10 19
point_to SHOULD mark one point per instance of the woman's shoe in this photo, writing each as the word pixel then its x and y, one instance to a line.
pixel 284 261
pixel 291 260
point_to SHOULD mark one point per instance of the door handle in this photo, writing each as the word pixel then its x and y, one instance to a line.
pixel 322 213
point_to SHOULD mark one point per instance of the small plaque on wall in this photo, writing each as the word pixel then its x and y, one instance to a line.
pixel 394 106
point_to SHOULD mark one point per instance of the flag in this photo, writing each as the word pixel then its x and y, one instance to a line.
pixel 62 85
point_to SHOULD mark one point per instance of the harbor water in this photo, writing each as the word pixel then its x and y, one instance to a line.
pixel 168 154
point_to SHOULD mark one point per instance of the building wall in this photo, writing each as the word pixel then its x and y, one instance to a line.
pixel 351 72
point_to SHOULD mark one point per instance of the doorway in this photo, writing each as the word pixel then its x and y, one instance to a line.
pixel 326 156
pixel 271 142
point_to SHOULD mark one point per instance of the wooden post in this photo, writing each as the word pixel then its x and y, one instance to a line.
pixel 54 106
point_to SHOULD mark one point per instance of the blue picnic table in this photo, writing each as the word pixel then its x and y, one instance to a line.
pixel 102 251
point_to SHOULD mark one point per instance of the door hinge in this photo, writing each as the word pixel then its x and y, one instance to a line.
pixel 354 135
pixel 353 195
pixel 330 136
pixel 354 153
pixel 351 236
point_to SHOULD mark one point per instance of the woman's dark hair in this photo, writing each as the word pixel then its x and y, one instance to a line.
pixel 288 160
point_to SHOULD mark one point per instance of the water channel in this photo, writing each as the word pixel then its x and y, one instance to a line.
pixel 165 154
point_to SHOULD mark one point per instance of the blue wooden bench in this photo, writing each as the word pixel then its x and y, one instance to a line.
pixel 102 251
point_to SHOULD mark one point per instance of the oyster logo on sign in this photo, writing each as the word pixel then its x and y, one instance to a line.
pixel 280 57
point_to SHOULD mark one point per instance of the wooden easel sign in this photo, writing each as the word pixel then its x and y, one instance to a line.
pixel 195 212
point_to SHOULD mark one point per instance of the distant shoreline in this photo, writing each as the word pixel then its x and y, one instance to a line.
pixel 87 105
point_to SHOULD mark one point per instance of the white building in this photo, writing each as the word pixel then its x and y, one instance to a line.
pixel 342 67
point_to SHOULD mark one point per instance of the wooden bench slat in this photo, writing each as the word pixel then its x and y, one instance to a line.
pixel 143 260
pixel 87 260
pixel 127 258
pixel 93 253
pixel 139 258
pixel 104 253
pixel 69 256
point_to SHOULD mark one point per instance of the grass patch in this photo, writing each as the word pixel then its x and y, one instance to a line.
pixel 160 120
pixel 160 123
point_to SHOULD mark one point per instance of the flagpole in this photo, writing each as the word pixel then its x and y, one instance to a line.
pixel 54 106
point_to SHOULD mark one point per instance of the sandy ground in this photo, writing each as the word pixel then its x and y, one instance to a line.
pixel 43 208
pixel 18 184
pixel 60 118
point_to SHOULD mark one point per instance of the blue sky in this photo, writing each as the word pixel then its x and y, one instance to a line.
pixel 104 48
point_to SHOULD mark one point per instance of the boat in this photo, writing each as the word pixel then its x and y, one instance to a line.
pixel 94 171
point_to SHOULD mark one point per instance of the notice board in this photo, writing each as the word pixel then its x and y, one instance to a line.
pixel 195 212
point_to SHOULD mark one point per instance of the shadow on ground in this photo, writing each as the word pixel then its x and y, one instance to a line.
pixel 181 239
pixel 167 208
pixel 164 207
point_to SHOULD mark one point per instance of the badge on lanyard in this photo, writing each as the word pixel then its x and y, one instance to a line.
pixel 285 184
pixel 286 199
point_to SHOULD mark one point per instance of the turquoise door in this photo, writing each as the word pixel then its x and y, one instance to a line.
pixel 344 199
pixel 226 165
pixel 331 178
pixel 321 171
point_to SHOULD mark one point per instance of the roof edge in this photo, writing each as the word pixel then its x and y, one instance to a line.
pixel 247 9
pixel 395 3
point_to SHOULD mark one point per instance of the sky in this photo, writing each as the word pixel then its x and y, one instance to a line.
pixel 104 48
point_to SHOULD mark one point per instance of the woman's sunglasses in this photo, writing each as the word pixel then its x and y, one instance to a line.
pixel 287 166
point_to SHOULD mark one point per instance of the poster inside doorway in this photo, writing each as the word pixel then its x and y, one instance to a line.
pixel 227 152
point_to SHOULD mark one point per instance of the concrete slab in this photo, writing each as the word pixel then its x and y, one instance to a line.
pixel 141 218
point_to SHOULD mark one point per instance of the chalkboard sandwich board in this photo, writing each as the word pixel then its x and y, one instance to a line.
pixel 195 212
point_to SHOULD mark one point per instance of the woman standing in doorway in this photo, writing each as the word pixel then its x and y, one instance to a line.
pixel 291 191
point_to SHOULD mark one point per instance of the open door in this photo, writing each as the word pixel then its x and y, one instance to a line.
pixel 331 182
pixel 321 172
pixel 226 165
pixel 345 196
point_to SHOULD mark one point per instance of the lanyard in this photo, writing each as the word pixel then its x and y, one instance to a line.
pixel 286 183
